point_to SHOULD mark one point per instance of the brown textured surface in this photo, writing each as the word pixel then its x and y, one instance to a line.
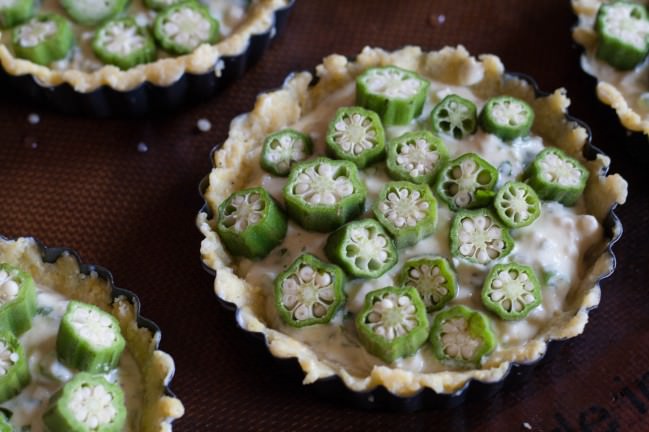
pixel 83 184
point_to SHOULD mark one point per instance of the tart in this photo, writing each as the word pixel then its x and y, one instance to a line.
pixel 615 39
pixel 373 267
pixel 143 54
pixel 82 357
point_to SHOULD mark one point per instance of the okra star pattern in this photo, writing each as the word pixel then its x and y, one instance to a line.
pixel 412 289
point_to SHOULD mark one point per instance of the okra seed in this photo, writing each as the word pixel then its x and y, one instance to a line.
pixel 120 38
pixel 7 358
pixel 509 113
pixel 187 27
pixel 456 340
pixel 92 406
pixel 35 32
pixel 354 133
pixel 322 185
pixel 417 158
pixel 480 239
pixel 308 293
pixel 633 31
pixel 392 316
pixel 404 207
pixel 392 83
pixel 8 288
pixel 560 171
pixel 95 328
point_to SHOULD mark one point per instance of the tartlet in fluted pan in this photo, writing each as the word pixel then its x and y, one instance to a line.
pixel 76 353
pixel 122 58
pixel 409 222
pixel 615 39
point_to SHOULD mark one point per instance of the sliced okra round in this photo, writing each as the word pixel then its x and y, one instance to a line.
pixel 43 39
pixel 556 176
pixel 356 134
pixel 623 34
pixel 123 43
pixel 362 248
pixel 323 194
pixel 407 211
pixel 478 236
pixel 511 291
pixel 14 367
pixel 454 116
pixel 17 299
pixel 466 182
pixel 461 336
pixel 14 12
pixel 93 12
pixel 282 149
pixel 415 157
pixel 181 28
pixel 396 94
pixel 392 323
pixel 309 292
pixel 507 117
pixel 89 339
pixel 517 204
pixel 251 223
pixel 432 278
pixel 86 403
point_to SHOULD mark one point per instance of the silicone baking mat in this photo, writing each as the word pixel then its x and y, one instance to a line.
pixel 124 193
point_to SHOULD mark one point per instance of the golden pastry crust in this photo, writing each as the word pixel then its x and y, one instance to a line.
pixel 611 87
pixel 259 18
pixel 157 368
pixel 296 98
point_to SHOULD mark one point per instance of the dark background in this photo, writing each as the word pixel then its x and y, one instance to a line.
pixel 82 183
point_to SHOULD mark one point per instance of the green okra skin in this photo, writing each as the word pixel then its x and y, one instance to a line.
pixel 89 339
pixel 507 117
pixel 309 292
pixel 432 277
pixel 396 94
pixel 622 30
pixel 323 194
pixel 392 323
pixel 250 223
pixel 110 46
pixel 415 157
pixel 511 291
pixel 479 237
pixel 159 5
pixel 282 149
pixel 181 28
pixel 14 367
pixel 407 211
pixel 356 134
pixel 5 424
pixel 14 12
pixel 86 403
pixel 466 182
pixel 43 39
pixel 17 299
pixel 362 249
pixel 517 204
pixel 462 337
pixel 556 176
pixel 454 116
pixel 93 12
